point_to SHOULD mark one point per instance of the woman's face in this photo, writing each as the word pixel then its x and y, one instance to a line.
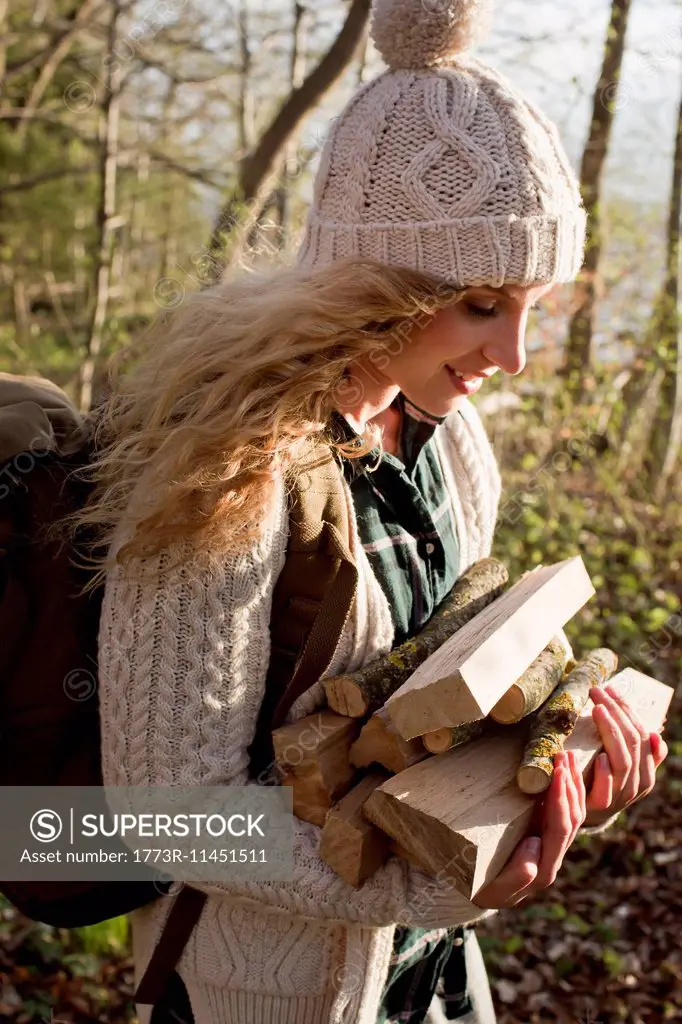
pixel 480 334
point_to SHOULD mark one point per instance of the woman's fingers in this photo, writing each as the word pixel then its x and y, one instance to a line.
pixel 647 769
pixel 558 825
pixel 633 733
pixel 574 784
pixel 514 881
pixel 536 861
pixel 581 792
pixel 601 791
pixel 659 748
pixel 654 751
pixel 615 746
pixel 627 710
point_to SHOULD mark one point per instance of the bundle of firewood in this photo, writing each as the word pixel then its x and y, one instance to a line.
pixel 437 751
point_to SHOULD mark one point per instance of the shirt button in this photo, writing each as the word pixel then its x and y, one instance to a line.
pixel 430 548
pixel 458 941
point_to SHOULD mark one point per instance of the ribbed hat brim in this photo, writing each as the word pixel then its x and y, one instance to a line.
pixel 468 251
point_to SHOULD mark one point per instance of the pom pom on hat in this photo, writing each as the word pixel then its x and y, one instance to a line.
pixel 420 33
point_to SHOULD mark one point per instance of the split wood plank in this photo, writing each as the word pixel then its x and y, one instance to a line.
pixel 379 742
pixel 350 844
pixel 404 854
pixel 311 799
pixel 463 680
pixel 461 814
pixel 312 756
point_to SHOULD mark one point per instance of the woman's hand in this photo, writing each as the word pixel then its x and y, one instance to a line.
pixel 536 861
pixel 626 770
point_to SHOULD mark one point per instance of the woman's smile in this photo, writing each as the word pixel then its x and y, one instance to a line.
pixel 462 386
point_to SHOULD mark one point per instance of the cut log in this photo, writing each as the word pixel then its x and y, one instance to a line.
pixel 440 740
pixel 380 743
pixel 322 741
pixel 533 688
pixel 461 814
pixel 350 844
pixel 311 799
pixel 364 691
pixel 404 854
pixel 557 719
pixel 469 673
pixel 313 756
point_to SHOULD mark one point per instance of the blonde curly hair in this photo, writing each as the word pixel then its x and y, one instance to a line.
pixel 240 380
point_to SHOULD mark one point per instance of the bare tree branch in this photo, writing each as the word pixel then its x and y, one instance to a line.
pixel 40 179
pixel 258 167
pixel 61 41
pixel 579 342
pixel 108 168
pixel 49 68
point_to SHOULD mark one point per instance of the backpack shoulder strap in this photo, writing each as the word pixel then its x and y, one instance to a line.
pixel 320 543
pixel 313 595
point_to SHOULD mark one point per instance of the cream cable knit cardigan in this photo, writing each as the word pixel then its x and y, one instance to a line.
pixel 182 661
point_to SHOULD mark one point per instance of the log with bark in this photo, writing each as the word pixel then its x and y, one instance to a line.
pixel 365 690
pixel 557 718
pixel 350 844
pixel 533 688
pixel 463 680
pixel 380 743
pixel 440 740
pixel 461 814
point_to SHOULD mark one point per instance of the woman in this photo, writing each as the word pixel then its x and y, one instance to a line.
pixel 444 208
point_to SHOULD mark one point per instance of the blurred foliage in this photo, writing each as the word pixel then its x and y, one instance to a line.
pixel 564 495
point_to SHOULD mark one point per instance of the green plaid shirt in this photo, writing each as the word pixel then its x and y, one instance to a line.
pixel 407 528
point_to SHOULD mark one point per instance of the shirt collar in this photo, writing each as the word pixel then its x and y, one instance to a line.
pixel 418 427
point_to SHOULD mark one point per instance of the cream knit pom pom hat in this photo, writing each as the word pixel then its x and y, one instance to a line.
pixel 440 165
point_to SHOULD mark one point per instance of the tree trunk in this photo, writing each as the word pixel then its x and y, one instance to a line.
pixel 667 435
pixel 650 429
pixel 51 64
pixel 259 165
pixel 244 97
pixel 579 343
pixel 268 232
pixel 4 4
pixel 296 78
pixel 108 165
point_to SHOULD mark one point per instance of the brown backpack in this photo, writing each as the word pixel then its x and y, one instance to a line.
pixel 49 713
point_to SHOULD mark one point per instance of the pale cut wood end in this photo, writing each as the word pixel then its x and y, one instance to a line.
pixel 438 741
pixel 345 697
pixel 532 780
pixel 510 708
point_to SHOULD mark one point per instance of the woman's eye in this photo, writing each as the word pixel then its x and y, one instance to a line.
pixel 481 310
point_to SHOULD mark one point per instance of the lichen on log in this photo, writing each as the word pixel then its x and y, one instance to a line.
pixel 365 690
pixel 556 719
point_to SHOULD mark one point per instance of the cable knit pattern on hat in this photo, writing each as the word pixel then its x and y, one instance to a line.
pixel 441 165
pixel 183 657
